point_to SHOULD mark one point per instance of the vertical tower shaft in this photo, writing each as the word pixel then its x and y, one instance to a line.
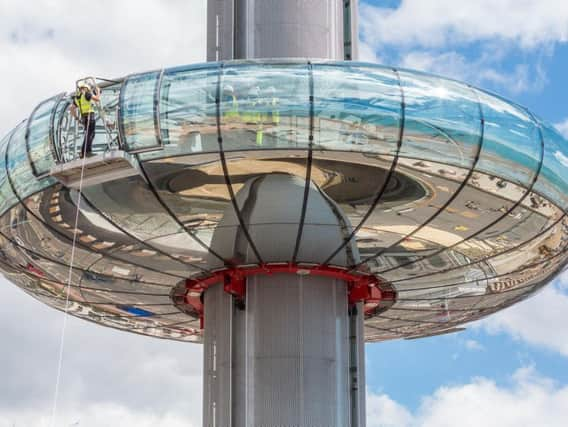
pixel 291 353
pixel 248 29
pixel 290 356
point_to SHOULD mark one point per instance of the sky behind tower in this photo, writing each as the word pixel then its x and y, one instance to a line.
pixel 508 370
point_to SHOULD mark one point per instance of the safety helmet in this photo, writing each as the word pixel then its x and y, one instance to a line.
pixel 82 85
pixel 228 88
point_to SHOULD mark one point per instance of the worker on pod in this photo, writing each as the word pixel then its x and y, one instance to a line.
pixel 273 106
pixel 84 101
pixel 230 104
pixel 255 114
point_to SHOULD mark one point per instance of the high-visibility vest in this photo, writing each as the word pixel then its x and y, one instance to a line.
pixel 85 107
pixel 232 112
pixel 275 112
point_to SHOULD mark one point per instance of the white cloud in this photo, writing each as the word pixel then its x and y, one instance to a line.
pixel 530 400
pixel 563 128
pixel 112 378
pixel 435 23
pixel 382 411
pixel 367 53
pixel 483 42
pixel 99 415
pixel 47 45
pixel 537 321
pixel 474 345
pixel 480 71
pixel 109 377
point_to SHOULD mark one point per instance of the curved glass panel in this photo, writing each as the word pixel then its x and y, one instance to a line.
pixel 190 198
pixel 39 137
pixel 357 109
pixel 156 232
pixel 137 103
pixel 61 124
pixel 188 112
pixel 441 120
pixel 257 175
pixel 441 142
pixel 442 184
pixel 554 174
pixel 7 196
pixel 265 106
pixel 512 144
pixel 23 179
pixel 26 231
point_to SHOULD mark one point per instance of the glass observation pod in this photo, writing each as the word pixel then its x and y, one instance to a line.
pixel 454 198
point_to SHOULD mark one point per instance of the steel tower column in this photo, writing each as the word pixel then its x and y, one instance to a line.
pixel 248 29
pixel 291 353
pixel 284 359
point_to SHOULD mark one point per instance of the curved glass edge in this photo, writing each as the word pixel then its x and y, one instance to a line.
pixel 137 112
pixel 39 136
pixel 554 175
pixel 357 107
pixel 18 168
pixel 7 196
pixel 60 125
pixel 441 121
pixel 188 110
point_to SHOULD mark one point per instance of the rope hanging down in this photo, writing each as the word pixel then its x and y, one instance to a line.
pixel 69 278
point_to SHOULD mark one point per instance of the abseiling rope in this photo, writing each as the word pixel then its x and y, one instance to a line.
pixel 68 289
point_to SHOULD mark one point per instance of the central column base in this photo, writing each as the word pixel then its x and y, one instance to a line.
pixel 289 355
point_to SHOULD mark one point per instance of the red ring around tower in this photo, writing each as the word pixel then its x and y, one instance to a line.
pixel 361 287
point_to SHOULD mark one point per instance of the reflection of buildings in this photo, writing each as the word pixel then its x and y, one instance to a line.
pixel 415 196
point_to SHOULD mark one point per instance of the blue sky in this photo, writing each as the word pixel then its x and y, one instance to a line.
pixel 508 370
pixel 521 60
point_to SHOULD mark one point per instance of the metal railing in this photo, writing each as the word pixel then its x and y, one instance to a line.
pixel 70 133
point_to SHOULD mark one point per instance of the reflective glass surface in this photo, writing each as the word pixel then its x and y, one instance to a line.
pixel 453 197
pixel 188 110
pixel 442 120
pixel 137 106
pixel 19 169
pixel 265 107
pixel 7 196
pixel 512 143
pixel 357 108
pixel 40 137
pixel 554 183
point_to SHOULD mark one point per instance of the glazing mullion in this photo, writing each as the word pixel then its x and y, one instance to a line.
pixel 481 260
pixel 133 237
pixel 135 92
pixel 226 174
pixel 491 224
pixel 174 216
pixel 66 266
pixel 65 237
pixel 27 138
pixel 156 109
pixel 308 164
pixel 448 202
pixel 44 149
pixel 389 175
pixel 52 127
